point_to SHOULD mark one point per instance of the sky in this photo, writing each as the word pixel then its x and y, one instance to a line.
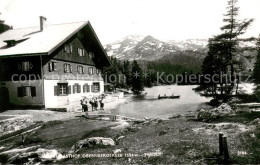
pixel 114 19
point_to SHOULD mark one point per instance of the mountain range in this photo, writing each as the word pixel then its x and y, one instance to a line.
pixel 148 48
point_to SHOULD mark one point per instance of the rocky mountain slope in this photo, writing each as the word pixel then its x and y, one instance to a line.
pixel 149 48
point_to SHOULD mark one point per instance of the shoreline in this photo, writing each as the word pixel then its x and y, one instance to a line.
pixel 178 140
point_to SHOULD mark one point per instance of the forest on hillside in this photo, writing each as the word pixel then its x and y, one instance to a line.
pixel 151 73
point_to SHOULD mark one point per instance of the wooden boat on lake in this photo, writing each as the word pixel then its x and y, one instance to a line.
pixel 168 97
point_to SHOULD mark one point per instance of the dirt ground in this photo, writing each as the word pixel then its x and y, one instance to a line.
pixel 162 142
pixel 179 140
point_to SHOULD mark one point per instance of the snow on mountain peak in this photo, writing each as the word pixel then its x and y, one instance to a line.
pixel 150 48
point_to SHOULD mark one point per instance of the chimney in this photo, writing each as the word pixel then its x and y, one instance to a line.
pixel 42 22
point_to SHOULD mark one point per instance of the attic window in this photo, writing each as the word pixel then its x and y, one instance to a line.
pixel 68 49
pixel 91 55
pixel 11 43
pixel 81 52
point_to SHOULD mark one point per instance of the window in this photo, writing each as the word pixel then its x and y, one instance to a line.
pixel 52 66
pixel 26 66
pixel 80 69
pixel 26 91
pixel 98 71
pixel 67 68
pixel 95 87
pixel 90 70
pixel 3 67
pixel 81 52
pixel 86 88
pixel 91 55
pixel 62 89
pixel 76 88
pixel 68 49
pixel 86 53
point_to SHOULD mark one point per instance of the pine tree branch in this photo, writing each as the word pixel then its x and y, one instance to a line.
pixel 247 39
pixel 243 26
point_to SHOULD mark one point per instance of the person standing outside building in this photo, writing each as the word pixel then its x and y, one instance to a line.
pixel 95 104
pixel 101 104
pixel 84 105
pixel 91 102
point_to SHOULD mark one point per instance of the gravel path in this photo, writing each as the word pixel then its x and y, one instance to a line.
pixel 46 115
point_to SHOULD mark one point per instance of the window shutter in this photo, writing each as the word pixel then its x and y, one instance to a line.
pixel 33 91
pixel 79 88
pixel 20 91
pixel 84 88
pixel 79 52
pixel 73 88
pixel 69 89
pixel 90 70
pixel 71 49
pixel 70 68
pixel 54 66
pixel 88 90
pixel 98 87
pixel 56 92
pixel 92 88
pixel 50 66
pixel 65 68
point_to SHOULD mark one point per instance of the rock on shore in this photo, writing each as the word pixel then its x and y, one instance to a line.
pixel 90 142
pixel 222 110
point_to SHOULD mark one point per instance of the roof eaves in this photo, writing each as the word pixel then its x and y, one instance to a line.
pixel 23 55
pixel 99 43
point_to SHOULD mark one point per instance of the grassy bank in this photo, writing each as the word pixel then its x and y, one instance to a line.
pixel 178 140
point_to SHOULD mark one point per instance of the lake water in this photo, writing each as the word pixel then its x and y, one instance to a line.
pixel 150 106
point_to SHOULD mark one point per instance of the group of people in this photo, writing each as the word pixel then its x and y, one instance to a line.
pixel 94 102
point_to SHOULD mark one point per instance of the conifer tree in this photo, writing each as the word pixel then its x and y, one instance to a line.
pixel 223 50
pixel 137 78
pixel 127 72
pixel 256 73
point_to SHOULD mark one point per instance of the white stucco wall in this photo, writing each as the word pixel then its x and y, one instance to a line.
pixel 26 100
pixel 52 101
pixel 49 100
